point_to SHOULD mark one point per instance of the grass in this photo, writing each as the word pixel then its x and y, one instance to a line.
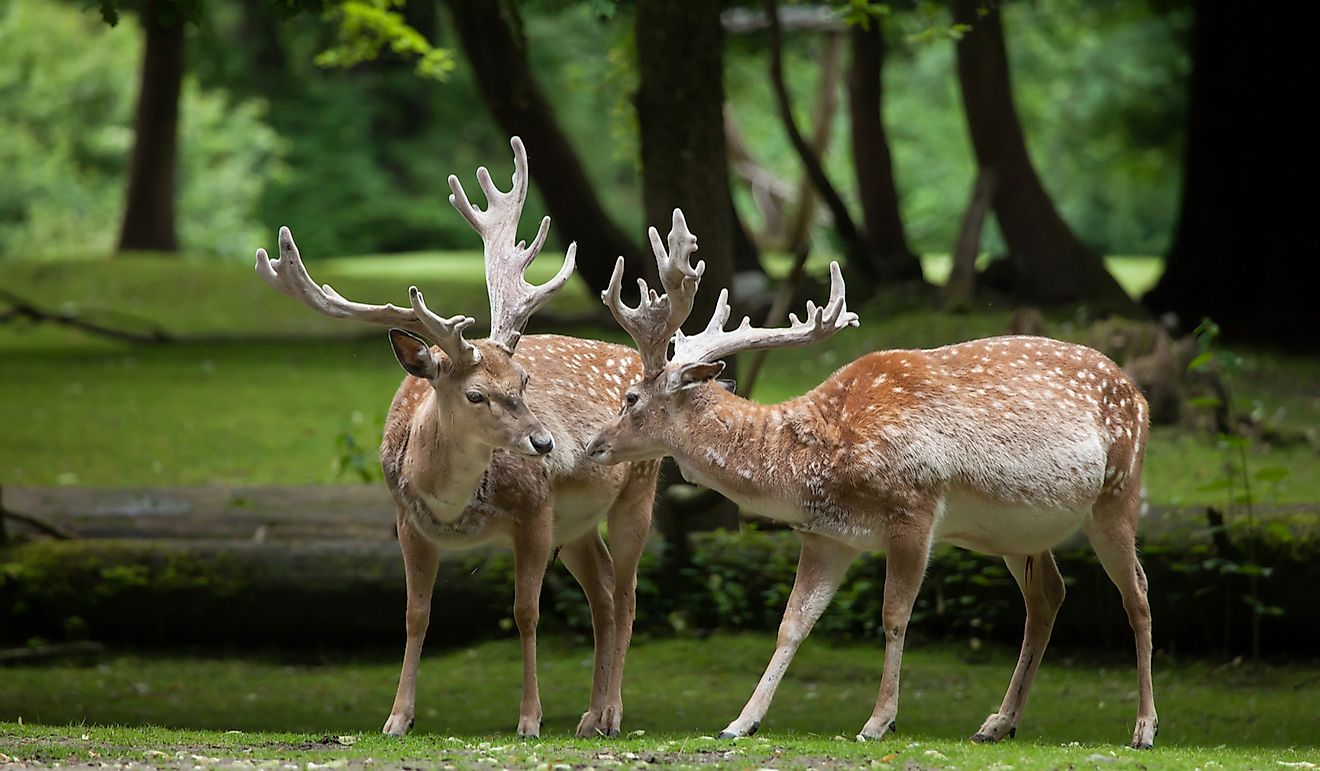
pixel 75 409
pixel 677 692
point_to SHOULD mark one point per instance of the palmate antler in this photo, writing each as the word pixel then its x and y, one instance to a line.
pixel 512 299
pixel 657 318
pixel 714 342
pixel 290 276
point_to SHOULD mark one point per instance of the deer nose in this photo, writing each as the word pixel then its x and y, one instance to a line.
pixel 542 443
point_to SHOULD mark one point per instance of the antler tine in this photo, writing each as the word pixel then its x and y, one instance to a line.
pixel 819 323
pixel 446 332
pixel 288 275
pixel 512 299
pixel 658 316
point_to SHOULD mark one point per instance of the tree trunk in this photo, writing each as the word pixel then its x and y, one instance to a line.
pixel 685 164
pixel 1239 254
pixel 875 170
pixel 490 33
pixel 680 116
pixel 1052 265
pixel 149 211
pixel 859 268
pixel 798 229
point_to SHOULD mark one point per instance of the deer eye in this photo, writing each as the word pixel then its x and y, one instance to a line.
pixel 475 397
pixel 630 398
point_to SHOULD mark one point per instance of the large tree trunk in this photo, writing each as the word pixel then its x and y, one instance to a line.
pixel 685 164
pixel 1052 265
pixel 680 116
pixel 490 33
pixel 149 211
pixel 1239 254
pixel 875 170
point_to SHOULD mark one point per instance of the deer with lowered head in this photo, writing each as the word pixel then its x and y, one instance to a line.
pixel 485 442
pixel 1004 446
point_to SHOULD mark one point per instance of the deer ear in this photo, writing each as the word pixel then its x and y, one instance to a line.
pixel 728 385
pixel 695 372
pixel 414 354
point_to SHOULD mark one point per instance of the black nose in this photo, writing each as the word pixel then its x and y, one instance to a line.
pixel 542 443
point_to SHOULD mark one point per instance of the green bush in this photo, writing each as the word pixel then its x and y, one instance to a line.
pixel 68 85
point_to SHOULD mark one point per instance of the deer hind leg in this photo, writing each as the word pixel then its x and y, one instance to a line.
pixel 821 568
pixel 630 524
pixel 907 547
pixel 589 562
pixel 1042 590
pixel 531 553
pixel 1113 534
pixel 421 560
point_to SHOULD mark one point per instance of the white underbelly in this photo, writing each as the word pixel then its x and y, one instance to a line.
pixel 752 502
pixel 973 521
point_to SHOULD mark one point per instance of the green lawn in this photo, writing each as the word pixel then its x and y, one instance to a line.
pixel 678 692
pixel 270 406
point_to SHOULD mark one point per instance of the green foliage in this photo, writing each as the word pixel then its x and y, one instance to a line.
pixel 67 90
pixel 1237 484
pixel 366 27
pixel 358 457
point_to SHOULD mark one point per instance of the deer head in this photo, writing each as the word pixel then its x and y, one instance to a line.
pixel 478 387
pixel 678 382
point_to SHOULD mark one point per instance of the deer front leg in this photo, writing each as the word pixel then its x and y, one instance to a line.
pixel 907 547
pixel 630 523
pixel 1042 590
pixel 589 562
pixel 821 567
pixel 420 561
pixel 531 553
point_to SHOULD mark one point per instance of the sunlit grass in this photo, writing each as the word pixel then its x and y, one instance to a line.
pixel 677 691
pixel 77 409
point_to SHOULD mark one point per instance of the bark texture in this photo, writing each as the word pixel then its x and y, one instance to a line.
pixel 149 207
pixel 680 116
pixel 874 166
pixel 1052 265
pixel 1240 255
pixel 490 33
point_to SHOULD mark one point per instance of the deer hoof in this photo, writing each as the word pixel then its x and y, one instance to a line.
pixel 873 733
pixel 606 722
pixel 1144 737
pixel 530 727
pixel 995 728
pixel 397 725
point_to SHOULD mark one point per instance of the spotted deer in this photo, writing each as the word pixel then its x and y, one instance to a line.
pixel 1004 446
pixel 485 442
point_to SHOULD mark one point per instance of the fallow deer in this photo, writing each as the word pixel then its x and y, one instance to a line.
pixel 468 462
pixel 1004 446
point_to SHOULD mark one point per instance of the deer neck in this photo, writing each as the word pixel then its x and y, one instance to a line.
pixel 752 453
pixel 445 463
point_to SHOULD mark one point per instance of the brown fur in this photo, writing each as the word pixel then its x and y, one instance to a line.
pixel 1005 445
pixel 433 453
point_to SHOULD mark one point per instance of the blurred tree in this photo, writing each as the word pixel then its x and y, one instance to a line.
pixel 877 250
pixel 1241 249
pixel 1051 264
pixel 148 222
pixel 491 35
pixel 680 117
pixel 874 168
